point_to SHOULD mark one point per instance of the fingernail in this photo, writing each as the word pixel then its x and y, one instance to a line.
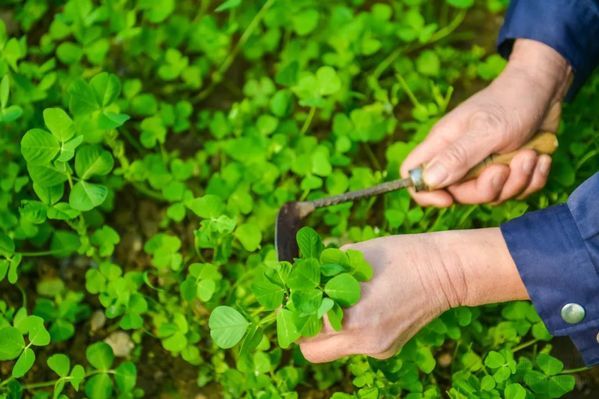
pixel 545 166
pixel 434 175
pixel 528 166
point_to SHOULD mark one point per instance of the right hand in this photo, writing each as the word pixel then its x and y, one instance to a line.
pixel 416 278
pixel 524 99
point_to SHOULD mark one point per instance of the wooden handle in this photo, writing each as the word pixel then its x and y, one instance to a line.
pixel 542 143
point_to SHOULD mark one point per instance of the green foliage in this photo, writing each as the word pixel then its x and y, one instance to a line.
pixel 320 282
pixel 227 326
pixel 146 147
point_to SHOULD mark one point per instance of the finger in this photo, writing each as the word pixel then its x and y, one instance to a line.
pixel 484 189
pixel 438 198
pixel 327 330
pixel 521 168
pixel 439 138
pixel 451 164
pixel 341 345
pixel 436 141
pixel 327 350
pixel 423 153
pixel 539 176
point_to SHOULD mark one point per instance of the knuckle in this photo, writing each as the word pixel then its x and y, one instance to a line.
pixel 456 155
pixel 488 121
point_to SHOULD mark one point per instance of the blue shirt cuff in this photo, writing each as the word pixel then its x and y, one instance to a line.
pixel 569 27
pixel 556 267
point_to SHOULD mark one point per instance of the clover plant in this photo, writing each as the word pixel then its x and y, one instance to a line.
pixel 145 149
pixel 321 282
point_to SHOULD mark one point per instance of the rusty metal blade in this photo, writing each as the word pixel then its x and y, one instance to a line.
pixel 289 221
pixel 290 216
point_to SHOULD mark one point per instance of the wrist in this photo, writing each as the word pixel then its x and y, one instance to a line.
pixel 480 267
pixel 543 66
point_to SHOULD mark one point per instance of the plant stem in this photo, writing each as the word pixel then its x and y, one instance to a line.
pixel 524 345
pixel 150 193
pixel 446 30
pixel 576 370
pixel 40 253
pixel 585 158
pixel 308 121
pixel 408 91
pixel 372 157
pixel 24 296
pixel 40 385
pixel 50 383
pixel 440 34
pixel 268 319
pixel 70 180
pixel 131 140
pixel 204 4
pixel 249 30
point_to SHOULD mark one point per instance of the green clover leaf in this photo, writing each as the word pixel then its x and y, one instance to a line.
pixel 86 196
pixel 39 147
pixel 59 123
pixel 287 332
pixel 92 160
pixel 309 243
pixel 227 326
pixel 11 343
pixel 344 289
pixel 100 355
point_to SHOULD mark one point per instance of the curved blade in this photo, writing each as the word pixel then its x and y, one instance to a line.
pixel 289 218
pixel 289 221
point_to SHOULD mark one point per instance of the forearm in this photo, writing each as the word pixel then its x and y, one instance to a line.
pixel 543 76
pixel 569 27
pixel 480 267
pixel 541 64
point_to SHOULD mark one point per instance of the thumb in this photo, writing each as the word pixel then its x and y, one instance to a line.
pixel 454 162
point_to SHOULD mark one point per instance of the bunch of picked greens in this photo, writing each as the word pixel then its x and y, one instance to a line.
pixel 321 282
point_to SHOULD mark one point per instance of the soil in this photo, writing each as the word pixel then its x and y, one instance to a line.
pixel 160 374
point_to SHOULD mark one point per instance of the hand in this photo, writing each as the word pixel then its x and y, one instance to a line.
pixel 416 278
pixel 524 99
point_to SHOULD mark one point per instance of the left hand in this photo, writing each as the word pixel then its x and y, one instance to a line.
pixel 416 278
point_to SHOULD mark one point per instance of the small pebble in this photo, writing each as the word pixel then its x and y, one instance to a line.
pixel 445 359
pixel 98 320
pixel 121 343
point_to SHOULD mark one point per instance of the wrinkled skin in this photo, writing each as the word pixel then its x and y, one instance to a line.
pixel 523 100
pixel 416 278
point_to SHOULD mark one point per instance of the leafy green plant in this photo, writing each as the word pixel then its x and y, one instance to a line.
pixel 321 282
pixel 146 147
pixel 61 308
pixel 14 345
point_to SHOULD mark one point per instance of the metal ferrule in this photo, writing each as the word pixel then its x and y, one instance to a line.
pixel 416 175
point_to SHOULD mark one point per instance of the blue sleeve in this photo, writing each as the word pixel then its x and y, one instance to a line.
pixel 556 251
pixel 571 27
